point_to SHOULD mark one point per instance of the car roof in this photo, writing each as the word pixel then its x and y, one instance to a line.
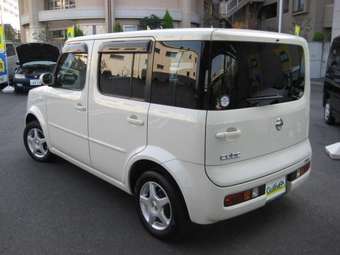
pixel 191 34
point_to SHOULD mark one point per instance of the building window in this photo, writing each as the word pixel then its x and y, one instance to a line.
pixel 129 28
pixel 56 34
pixel 285 6
pixel 60 4
pixel 123 75
pixel 269 11
pixel 171 54
pixel 299 5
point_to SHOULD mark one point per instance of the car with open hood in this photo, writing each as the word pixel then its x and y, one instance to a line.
pixel 34 59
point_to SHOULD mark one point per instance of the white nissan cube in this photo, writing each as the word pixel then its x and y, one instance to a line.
pixel 199 125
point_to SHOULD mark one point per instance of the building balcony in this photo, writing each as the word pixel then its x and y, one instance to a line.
pixel 230 7
pixel 71 14
pixel 120 13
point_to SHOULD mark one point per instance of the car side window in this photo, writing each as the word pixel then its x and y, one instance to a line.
pixel 71 71
pixel 123 74
pixel 175 76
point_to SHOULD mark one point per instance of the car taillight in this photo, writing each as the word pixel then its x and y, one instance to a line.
pixel 243 196
pixel 298 173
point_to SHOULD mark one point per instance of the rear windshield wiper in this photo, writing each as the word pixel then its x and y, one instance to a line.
pixel 264 98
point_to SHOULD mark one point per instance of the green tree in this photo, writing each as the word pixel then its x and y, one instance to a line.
pixel 78 31
pixel 117 27
pixel 167 20
pixel 153 22
pixel 10 33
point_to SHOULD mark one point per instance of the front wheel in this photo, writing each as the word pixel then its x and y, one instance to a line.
pixel 35 142
pixel 160 206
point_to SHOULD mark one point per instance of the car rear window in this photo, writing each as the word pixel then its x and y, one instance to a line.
pixel 250 74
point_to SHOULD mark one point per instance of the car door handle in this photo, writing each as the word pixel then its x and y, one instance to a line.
pixel 80 107
pixel 133 119
pixel 230 134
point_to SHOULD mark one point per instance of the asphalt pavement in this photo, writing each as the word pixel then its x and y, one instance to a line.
pixel 57 208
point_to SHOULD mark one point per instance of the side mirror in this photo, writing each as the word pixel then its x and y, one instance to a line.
pixel 47 79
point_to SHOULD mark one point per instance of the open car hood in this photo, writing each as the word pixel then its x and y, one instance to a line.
pixel 37 52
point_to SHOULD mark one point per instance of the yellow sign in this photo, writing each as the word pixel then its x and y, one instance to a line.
pixel 2 39
pixel 2 66
pixel 297 30
pixel 70 32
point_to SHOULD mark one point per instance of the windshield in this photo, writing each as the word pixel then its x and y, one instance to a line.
pixel 249 74
pixel 38 67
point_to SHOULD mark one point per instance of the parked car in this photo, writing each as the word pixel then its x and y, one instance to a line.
pixel 331 93
pixel 34 59
pixel 11 63
pixel 217 128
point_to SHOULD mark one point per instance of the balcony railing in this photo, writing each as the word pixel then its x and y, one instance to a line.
pixel 230 7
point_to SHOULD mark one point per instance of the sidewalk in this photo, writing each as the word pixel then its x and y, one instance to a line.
pixel 318 82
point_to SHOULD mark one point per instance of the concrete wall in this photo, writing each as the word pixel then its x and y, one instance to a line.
pixel 318 59
pixel 336 19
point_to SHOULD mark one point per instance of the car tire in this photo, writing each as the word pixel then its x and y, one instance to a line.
pixel 35 142
pixel 160 206
pixel 328 113
pixel 17 90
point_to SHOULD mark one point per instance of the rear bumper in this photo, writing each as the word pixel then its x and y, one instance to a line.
pixel 205 200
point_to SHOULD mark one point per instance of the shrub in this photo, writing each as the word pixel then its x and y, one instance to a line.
pixel 117 27
pixel 167 20
pixel 152 22
pixel 318 37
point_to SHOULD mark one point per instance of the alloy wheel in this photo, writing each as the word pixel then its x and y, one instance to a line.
pixel 37 143
pixel 155 206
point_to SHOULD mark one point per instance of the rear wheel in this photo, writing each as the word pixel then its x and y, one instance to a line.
pixel 328 113
pixel 160 206
pixel 35 142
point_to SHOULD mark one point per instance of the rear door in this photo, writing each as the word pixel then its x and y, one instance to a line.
pixel 118 105
pixel 258 100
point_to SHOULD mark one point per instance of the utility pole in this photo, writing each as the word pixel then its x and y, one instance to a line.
pixel 109 16
pixel 280 15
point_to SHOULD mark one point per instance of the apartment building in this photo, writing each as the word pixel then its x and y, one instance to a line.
pixel 48 19
pixel 312 16
pixel 336 19
pixel 9 13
